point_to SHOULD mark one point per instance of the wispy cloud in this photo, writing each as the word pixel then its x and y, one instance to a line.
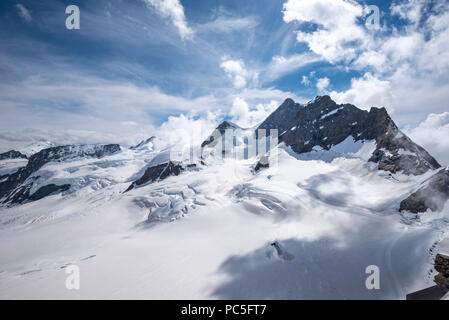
pixel 227 24
pixel 322 84
pixel 280 65
pixel 173 10
pixel 24 12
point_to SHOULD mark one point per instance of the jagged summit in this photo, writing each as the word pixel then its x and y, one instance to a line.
pixel 228 125
pixel 281 118
pixel 324 99
pixel 323 123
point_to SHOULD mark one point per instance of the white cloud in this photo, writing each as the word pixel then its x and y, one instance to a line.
pixel 337 26
pixel 372 59
pixel 409 10
pixel 305 81
pixel 405 68
pixel 173 10
pixel 280 65
pixel 365 92
pixel 245 116
pixel 84 103
pixel 236 71
pixel 433 135
pixel 322 84
pixel 187 130
pixel 24 12
pixel 227 24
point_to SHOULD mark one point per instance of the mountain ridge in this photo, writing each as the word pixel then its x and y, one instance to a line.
pixel 316 127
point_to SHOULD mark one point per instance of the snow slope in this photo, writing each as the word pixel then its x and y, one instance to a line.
pixel 329 220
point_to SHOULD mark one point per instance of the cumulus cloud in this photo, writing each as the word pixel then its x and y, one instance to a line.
pixel 336 22
pixel 188 130
pixel 322 84
pixel 305 80
pixel 408 10
pixel 236 71
pixel 24 12
pixel 372 59
pixel 433 135
pixel 364 92
pixel 173 10
pixel 404 67
pixel 245 116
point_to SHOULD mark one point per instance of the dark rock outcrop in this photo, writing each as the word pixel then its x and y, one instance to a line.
pixel 442 266
pixel 157 173
pixel 325 123
pixel 263 163
pixel 433 195
pixel 282 117
pixel 12 154
pixel 12 190
pixel 47 190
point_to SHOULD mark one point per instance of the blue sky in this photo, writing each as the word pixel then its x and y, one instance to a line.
pixel 135 65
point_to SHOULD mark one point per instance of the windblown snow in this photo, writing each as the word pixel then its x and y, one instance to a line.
pixel 301 229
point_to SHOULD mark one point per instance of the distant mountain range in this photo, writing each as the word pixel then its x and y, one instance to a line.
pixel 320 129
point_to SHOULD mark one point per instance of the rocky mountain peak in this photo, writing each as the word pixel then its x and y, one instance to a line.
pixel 281 118
pixel 323 101
pixel 323 124
pixel 227 125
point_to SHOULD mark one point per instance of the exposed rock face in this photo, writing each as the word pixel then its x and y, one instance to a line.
pixel 12 190
pixel 12 154
pixel 442 266
pixel 282 117
pixel 157 173
pixel 432 196
pixel 263 163
pixel 47 190
pixel 325 123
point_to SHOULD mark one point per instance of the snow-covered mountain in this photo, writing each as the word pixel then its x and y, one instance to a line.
pixel 302 219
